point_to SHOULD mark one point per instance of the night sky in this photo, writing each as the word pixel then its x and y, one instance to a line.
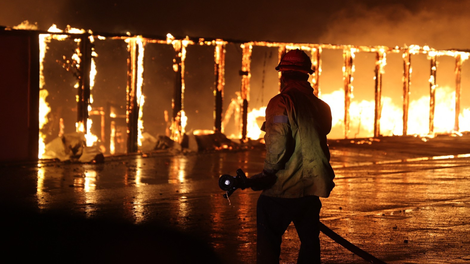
pixel 440 24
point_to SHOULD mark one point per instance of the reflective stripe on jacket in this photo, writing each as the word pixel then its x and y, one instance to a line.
pixel 297 123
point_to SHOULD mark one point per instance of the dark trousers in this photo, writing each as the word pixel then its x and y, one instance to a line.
pixel 274 216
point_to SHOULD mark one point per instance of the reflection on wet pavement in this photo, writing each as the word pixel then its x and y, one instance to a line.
pixel 398 208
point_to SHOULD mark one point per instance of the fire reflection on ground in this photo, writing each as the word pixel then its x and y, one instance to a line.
pixel 393 204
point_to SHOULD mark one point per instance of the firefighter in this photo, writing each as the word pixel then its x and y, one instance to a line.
pixel 297 168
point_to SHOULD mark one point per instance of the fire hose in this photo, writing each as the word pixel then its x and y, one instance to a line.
pixel 230 183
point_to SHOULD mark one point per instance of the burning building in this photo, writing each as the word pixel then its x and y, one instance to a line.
pixel 124 93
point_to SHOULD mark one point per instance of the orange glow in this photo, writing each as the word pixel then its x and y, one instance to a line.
pixel 140 81
pixel 255 120
pixel 26 25
pixel 112 143
pixel 391 122
pixel 203 132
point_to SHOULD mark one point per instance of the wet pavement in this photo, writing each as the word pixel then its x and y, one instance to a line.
pixel 401 200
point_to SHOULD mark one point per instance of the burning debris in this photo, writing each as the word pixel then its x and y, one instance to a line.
pixel 72 147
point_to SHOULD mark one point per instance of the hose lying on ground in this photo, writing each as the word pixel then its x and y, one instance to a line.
pixel 348 245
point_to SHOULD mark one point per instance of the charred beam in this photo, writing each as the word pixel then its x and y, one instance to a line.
pixel 132 113
pixel 33 96
pixel 178 89
pixel 379 70
pixel 219 72
pixel 245 88
pixel 406 89
pixel 316 62
pixel 84 82
pixel 348 69
pixel 432 92
pixel 178 121
pixel 458 81
pixel 281 52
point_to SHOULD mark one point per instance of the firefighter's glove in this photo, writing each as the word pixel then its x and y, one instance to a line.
pixel 262 181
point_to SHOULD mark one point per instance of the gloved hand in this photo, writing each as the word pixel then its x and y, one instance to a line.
pixel 262 181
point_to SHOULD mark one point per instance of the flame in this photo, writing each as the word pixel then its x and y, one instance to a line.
pixel 178 126
pixel 199 132
pixel 25 25
pixel 391 122
pixel 362 115
pixel 140 82
pixel 90 138
pixel 253 128
pixel 72 30
pixel 112 143
pixel 44 108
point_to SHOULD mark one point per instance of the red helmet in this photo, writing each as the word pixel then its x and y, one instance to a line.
pixel 295 60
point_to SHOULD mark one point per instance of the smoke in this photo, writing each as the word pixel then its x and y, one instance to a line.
pixel 42 12
pixel 439 24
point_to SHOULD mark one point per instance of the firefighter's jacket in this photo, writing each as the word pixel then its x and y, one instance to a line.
pixel 297 123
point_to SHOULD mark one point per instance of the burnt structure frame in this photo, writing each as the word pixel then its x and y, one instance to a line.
pixel 315 50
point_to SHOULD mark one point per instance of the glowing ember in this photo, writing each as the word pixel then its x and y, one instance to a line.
pixel 199 132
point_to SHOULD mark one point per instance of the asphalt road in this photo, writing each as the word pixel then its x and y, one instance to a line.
pixel 402 200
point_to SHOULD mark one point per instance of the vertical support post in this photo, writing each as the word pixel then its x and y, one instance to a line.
pixel 379 70
pixel 348 69
pixel 219 72
pixel 179 117
pixel 406 89
pixel 84 83
pixel 132 109
pixel 33 97
pixel 432 91
pixel 107 127
pixel 316 62
pixel 177 103
pixel 245 89
pixel 458 80
pixel 281 52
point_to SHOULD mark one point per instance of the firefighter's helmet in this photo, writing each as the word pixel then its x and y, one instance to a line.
pixel 295 60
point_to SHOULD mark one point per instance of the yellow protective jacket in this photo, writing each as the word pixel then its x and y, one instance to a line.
pixel 297 123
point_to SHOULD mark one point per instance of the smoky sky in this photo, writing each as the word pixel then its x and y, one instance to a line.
pixel 439 24
pixel 362 22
